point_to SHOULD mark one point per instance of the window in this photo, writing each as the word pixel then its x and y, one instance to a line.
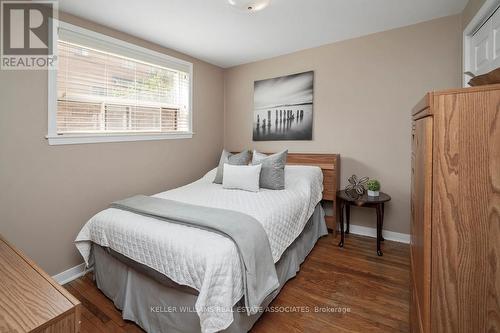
pixel 108 90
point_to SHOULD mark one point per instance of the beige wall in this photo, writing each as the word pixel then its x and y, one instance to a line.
pixel 364 90
pixel 49 192
pixel 470 11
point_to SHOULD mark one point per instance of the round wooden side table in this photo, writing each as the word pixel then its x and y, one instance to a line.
pixel 346 201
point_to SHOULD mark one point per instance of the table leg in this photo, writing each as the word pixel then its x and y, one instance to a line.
pixel 382 223
pixel 379 228
pixel 347 217
pixel 341 222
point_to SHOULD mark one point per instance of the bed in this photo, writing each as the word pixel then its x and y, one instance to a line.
pixel 174 278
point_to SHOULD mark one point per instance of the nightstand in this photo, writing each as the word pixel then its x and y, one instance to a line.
pixel 345 203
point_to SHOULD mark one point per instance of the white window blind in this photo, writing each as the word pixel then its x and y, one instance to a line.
pixel 102 92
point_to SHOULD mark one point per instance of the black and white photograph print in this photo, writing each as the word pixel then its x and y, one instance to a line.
pixel 283 108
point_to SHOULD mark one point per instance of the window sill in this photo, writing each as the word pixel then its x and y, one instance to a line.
pixel 71 139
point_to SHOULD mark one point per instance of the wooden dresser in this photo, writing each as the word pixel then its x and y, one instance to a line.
pixel 30 300
pixel 455 209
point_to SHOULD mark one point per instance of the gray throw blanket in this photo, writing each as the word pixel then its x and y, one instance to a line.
pixel 259 273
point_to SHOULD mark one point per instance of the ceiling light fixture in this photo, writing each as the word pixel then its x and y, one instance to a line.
pixel 249 5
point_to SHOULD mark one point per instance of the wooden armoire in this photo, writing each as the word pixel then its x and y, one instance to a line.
pixel 455 212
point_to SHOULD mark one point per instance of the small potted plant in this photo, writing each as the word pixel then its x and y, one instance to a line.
pixel 373 187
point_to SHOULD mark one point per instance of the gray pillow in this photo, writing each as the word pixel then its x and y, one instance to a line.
pixel 272 174
pixel 233 159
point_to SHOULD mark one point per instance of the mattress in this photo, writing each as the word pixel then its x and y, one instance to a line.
pixel 206 261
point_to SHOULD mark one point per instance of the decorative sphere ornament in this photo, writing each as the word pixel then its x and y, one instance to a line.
pixel 356 187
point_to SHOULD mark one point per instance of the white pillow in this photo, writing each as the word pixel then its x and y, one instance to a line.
pixel 241 177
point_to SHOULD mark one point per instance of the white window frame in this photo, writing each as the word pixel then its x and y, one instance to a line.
pixel 116 46
pixel 484 13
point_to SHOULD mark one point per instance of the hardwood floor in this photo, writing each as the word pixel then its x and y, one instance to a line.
pixel 371 293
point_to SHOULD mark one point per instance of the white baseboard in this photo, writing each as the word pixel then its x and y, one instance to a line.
pixel 71 274
pixel 372 232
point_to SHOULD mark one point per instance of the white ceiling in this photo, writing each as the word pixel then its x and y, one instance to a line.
pixel 214 31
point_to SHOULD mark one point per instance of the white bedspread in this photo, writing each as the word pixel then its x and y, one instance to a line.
pixel 206 261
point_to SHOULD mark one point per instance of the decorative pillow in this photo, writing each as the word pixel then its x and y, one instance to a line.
pixel 233 159
pixel 272 175
pixel 241 177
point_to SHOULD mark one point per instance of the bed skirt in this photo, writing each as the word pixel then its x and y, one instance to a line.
pixel 158 307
